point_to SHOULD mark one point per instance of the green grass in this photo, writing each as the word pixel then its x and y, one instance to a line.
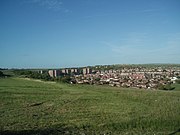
pixel 34 107
pixel 177 86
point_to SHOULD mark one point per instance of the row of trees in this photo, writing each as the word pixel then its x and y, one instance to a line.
pixel 33 74
pixel 44 76
pixel 1 74
pixel 64 79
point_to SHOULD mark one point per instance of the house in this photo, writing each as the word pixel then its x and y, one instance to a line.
pixel 173 79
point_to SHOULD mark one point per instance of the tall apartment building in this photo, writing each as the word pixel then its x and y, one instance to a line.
pixel 87 71
pixel 51 73
pixel 75 71
pixel 40 71
pixel 65 71
pixel 57 73
pixel 54 73
pixel 72 70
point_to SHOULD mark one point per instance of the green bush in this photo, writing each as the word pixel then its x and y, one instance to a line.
pixel 165 87
pixel 33 74
pixel 178 81
pixel 1 74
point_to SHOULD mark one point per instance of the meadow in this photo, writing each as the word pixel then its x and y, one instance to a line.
pixel 35 107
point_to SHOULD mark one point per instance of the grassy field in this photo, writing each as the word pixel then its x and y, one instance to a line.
pixel 35 107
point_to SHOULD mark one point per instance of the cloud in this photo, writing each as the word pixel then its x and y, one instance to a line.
pixel 148 10
pixel 140 49
pixel 55 5
pixel 133 12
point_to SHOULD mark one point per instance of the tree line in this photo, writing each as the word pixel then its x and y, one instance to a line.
pixel 43 76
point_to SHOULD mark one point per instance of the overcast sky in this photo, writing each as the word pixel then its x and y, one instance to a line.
pixel 70 33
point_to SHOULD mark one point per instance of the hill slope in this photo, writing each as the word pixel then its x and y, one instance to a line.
pixel 35 107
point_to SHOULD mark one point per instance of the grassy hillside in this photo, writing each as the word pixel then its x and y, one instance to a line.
pixel 35 107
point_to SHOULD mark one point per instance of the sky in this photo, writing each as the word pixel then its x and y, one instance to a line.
pixel 74 33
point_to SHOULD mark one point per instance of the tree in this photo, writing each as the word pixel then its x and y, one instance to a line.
pixel 65 79
pixel 178 81
pixel 1 74
pixel 165 87
pixel 97 79
pixel 161 87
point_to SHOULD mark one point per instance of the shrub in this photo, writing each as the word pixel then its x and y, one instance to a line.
pixel 178 81
pixel 1 74
pixel 165 87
